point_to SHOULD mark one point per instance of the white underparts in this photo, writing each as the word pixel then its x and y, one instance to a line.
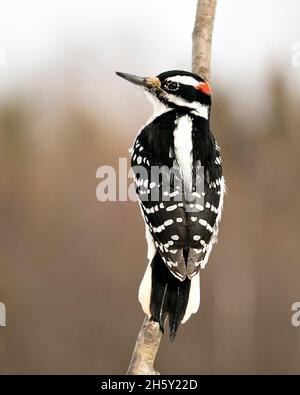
pixel 150 243
pixel 194 298
pixel 145 290
pixel 158 107
pixel 146 284
pixel 183 146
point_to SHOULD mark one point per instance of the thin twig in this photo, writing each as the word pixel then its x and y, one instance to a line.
pixel 149 337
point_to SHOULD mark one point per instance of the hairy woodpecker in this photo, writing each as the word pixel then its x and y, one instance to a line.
pixel 181 220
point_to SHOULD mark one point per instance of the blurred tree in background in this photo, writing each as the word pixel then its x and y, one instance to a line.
pixel 69 274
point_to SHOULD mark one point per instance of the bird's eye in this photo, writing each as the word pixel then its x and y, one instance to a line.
pixel 172 86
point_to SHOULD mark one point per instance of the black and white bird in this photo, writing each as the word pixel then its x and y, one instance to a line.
pixel 181 219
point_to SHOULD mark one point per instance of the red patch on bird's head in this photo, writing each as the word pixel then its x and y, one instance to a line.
pixel 204 87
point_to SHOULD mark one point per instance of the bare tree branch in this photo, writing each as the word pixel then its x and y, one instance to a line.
pixel 145 349
pixel 202 37
pixel 149 337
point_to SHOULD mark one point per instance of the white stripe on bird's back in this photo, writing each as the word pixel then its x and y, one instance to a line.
pixel 183 145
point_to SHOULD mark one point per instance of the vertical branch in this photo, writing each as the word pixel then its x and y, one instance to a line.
pixel 202 37
pixel 149 337
pixel 145 349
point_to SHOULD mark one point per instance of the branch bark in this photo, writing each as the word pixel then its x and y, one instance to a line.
pixel 149 337
pixel 202 37
pixel 145 349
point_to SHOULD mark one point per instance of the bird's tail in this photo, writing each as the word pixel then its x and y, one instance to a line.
pixel 162 295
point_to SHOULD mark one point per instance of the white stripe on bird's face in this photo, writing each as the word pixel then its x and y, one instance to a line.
pixel 160 107
pixel 199 109
pixel 184 80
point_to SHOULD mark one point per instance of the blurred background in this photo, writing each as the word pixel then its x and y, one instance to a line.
pixel 70 266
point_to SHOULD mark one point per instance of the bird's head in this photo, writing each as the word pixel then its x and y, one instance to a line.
pixel 175 89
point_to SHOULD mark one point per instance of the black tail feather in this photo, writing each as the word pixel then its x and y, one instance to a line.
pixel 169 296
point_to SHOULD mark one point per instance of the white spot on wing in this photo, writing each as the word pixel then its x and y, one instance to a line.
pixel 173 194
pixel 197 250
pixel 171 208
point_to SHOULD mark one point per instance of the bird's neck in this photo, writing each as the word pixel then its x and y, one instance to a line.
pixel 159 107
pixel 194 108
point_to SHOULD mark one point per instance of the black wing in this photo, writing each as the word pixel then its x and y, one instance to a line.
pixel 182 228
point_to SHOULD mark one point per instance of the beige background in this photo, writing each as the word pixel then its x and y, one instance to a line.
pixel 70 266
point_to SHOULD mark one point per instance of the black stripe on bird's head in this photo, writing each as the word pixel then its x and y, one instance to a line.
pixel 174 88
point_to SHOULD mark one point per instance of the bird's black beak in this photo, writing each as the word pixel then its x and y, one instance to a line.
pixel 146 82
pixel 132 78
